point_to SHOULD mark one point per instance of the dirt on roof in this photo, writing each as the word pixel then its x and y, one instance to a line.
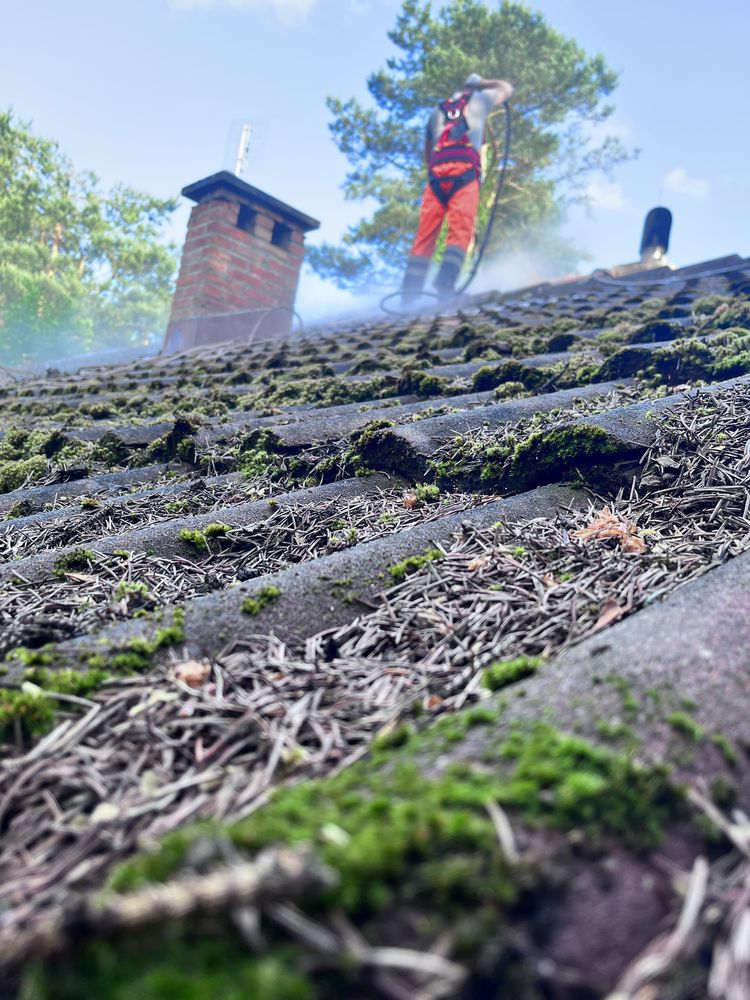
pixel 407 659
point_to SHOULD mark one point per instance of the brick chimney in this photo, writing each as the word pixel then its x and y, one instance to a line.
pixel 242 257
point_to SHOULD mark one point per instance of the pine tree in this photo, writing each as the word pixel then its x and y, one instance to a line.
pixel 79 269
pixel 558 108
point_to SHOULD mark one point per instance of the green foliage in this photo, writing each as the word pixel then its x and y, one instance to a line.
pixel 221 968
pixel 501 674
pixel 560 95
pixel 395 819
pixel 491 376
pixel 400 842
pixel 25 713
pixel 265 596
pixel 685 726
pixel 67 681
pixel 725 745
pixel 547 450
pixel 400 571
pixel 76 561
pixel 16 473
pixel 21 508
pixel 199 539
pixel 426 492
pixel 79 269
pixel 130 589
pixel 137 655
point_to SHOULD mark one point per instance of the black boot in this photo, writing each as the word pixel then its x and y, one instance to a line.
pixel 414 279
pixel 445 282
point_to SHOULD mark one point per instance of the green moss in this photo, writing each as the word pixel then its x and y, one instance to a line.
pixel 427 493
pixel 725 745
pixel 137 655
pixel 492 376
pixel 21 443
pixel 709 303
pixel 67 681
pixel 723 792
pixel 76 561
pixel 165 448
pixel 629 703
pixel 567 782
pixel 685 726
pixel 110 450
pixel 737 315
pixel 25 714
pixel 14 473
pixel 398 736
pixel 131 661
pixel 181 967
pixel 416 383
pixel 130 588
pixel 545 451
pixel 609 730
pixel 265 596
pixel 257 455
pixel 171 635
pixel 399 571
pixel 199 538
pixel 30 657
pixel 508 390
pixel 21 508
pixel 504 672
pixel 395 820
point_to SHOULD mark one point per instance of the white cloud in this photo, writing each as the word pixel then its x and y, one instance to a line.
pixel 605 194
pixel 680 182
pixel 288 11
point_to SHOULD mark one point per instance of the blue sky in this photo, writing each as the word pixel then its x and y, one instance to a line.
pixel 150 92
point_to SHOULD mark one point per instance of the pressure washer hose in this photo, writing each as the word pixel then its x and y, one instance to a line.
pixel 499 188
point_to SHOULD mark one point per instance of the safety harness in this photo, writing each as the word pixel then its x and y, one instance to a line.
pixel 454 146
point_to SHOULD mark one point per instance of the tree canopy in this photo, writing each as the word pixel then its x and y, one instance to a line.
pixel 558 108
pixel 79 269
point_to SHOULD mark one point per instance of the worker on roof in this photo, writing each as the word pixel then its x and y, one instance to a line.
pixel 453 140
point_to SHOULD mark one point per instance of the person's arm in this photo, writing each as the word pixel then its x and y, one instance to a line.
pixel 503 88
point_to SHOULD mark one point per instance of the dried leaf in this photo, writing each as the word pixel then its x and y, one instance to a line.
pixel 606 524
pixel 610 613
pixel 192 672
pixel 479 563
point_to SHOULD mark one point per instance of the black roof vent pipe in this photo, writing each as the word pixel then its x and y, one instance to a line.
pixel 656 229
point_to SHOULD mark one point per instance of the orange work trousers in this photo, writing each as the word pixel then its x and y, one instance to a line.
pixel 461 212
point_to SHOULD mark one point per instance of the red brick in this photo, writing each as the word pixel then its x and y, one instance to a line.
pixel 225 269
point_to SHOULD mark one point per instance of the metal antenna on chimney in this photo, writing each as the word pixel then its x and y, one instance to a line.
pixel 242 150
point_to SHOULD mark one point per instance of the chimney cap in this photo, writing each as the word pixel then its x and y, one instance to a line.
pixel 227 182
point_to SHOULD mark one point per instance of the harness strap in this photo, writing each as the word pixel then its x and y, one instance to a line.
pixel 453 154
pixel 445 187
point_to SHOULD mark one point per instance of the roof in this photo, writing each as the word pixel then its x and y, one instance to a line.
pixel 466 591
pixel 225 181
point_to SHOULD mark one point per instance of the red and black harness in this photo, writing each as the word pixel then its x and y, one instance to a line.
pixel 454 146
